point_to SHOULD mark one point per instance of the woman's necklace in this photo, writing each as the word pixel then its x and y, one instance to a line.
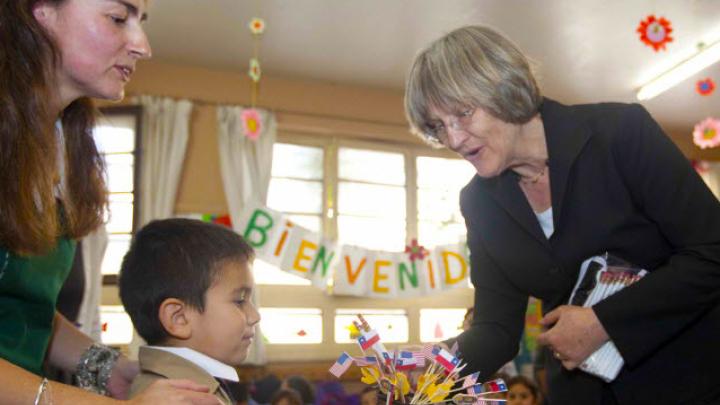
pixel 534 179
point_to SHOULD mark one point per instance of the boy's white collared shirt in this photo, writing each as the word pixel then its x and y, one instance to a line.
pixel 207 363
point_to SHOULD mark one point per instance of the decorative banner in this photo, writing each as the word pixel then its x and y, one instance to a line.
pixel 655 32
pixel 354 270
pixel 707 133
pixel 705 87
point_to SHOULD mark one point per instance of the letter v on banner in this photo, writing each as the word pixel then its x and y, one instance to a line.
pixel 352 271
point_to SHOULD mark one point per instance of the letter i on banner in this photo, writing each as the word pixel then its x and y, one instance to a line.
pixel 266 231
pixel 353 270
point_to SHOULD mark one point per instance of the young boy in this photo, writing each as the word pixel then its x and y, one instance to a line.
pixel 186 285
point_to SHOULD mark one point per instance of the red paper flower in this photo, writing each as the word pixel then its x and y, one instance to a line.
pixel 416 251
pixel 252 123
pixel 257 26
pixel 302 333
pixel 707 133
pixel 655 32
pixel 705 87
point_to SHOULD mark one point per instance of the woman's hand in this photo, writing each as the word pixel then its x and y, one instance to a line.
pixel 175 392
pixel 121 377
pixel 575 333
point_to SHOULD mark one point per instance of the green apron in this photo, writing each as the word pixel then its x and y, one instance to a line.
pixel 29 287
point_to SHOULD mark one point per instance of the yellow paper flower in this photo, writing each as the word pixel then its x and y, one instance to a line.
pixel 354 332
pixel 257 26
pixel 441 391
pixel 402 383
pixel 255 72
pixel 370 375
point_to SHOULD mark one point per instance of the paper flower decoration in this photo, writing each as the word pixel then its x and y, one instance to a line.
pixel 705 87
pixel 252 123
pixel 415 251
pixel 255 72
pixel 257 26
pixel 655 32
pixel 700 166
pixel 707 133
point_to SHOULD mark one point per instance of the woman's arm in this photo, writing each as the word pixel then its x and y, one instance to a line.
pixel 668 191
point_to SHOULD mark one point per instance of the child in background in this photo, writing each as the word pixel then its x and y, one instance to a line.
pixel 286 397
pixel 522 391
pixel 186 285
pixel 368 396
pixel 302 386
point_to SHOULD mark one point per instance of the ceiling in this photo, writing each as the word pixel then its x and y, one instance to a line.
pixel 585 50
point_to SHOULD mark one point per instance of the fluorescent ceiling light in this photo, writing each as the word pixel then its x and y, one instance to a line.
pixel 704 58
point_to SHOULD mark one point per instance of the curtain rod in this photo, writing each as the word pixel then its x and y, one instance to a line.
pixel 206 103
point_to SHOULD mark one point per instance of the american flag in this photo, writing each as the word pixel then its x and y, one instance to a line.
pixel 428 350
pixel 365 361
pixel 341 365
pixel 470 380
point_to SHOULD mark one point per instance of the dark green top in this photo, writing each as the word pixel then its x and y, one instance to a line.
pixel 29 287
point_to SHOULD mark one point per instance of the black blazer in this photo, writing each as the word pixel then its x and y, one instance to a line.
pixel 618 185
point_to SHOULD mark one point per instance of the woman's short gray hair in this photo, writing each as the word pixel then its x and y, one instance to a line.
pixel 471 66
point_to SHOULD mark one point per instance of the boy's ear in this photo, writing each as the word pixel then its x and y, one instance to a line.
pixel 173 315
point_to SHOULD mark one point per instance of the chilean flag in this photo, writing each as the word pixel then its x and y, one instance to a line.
pixel 368 339
pixel 445 359
pixel 497 385
pixel 405 361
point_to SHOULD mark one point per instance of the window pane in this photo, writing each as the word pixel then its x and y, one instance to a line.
pixel 115 134
pixel 391 324
pixel 291 325
pixel 303 162
pixel 295 196
pixel 116 327
pixel 372 233
pixel 432 234
pixel 310 222
pixel 434 172
pixel 118 245
pixel 371 166
pixel 265 273
pixel 371 200
pixel 120 171
pixel 120 217
pixel 440 324
pixel 439 204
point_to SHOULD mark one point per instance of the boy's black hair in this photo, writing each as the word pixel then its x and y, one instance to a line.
pixel 174 258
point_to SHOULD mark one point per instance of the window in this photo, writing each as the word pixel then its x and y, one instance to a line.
pixel 440 324
pixel 291 325
pixel 296 189
pixel 391 324
pixel 439 181
pixel 116 327
pixel 116 135
pixel 371 199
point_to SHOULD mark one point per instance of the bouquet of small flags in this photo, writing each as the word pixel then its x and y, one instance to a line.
pixel 440 383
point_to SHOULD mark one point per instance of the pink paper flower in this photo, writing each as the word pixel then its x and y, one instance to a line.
pixel 252 123
pixel 415 251
pixel 707 133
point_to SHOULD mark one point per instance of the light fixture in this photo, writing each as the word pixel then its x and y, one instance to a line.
pixel 706 56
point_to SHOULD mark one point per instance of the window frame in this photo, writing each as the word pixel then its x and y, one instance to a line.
pixel 135 111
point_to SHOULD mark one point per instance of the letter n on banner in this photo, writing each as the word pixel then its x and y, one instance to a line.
pixel 353 270
pixel 410 276
pixel 451 265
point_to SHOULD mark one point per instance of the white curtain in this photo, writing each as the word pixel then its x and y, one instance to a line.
pixel 245 166
pixel 165 133
pixel 93 251
pixel 164 138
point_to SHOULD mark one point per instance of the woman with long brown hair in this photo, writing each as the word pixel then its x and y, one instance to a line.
pixel 54 56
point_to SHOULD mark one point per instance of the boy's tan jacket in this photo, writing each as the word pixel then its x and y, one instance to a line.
pixel 158 364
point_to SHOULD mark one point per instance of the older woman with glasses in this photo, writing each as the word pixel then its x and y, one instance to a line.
pixel 556 186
